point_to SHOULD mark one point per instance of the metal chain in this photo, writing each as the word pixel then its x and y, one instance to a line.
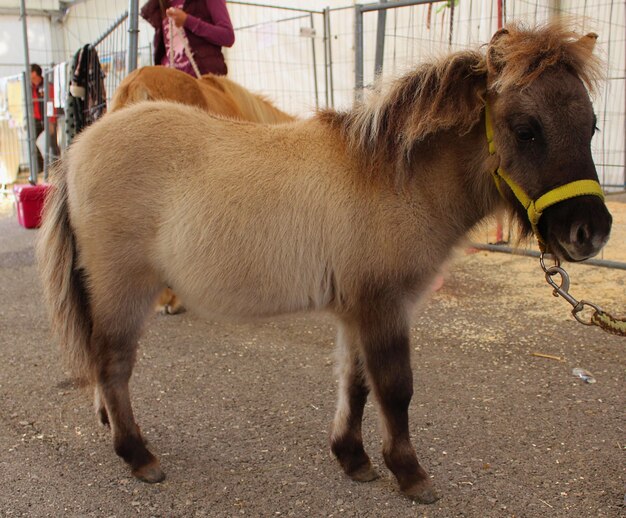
pixel 598 317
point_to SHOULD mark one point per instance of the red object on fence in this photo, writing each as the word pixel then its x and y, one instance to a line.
pixel 29 203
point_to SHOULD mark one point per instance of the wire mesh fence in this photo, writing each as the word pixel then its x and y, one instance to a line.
pixel 283 50
pixel 304 59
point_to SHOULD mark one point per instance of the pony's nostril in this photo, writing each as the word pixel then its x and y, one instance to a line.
pixel 580 233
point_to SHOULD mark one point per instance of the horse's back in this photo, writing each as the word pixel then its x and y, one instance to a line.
pixel 253 107
pixel 154 83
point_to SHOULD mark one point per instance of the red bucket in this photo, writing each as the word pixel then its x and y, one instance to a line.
pixel 29 203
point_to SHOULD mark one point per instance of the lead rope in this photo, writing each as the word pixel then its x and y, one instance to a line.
pixel 188 53
pixel 599 317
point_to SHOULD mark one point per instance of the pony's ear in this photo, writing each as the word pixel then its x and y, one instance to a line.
pixel 495 63
pixel 588 42
pixel 582 60
pixel 498 34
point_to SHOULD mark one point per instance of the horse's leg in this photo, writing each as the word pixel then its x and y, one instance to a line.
pixel 385 340
pixel 346 441
pixel 118 312
pixel 101 411
pixel 116 357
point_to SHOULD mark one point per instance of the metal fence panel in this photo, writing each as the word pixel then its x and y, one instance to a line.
pixel 280 52
pixel 303 59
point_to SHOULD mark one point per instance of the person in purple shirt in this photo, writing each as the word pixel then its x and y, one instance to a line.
pixel 199 27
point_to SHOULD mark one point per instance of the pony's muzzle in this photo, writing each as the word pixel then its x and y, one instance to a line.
pixel 576 229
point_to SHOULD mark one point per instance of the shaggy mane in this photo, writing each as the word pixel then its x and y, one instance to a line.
pixel 449 94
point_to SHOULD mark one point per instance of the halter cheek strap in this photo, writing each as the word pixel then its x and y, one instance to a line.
pixel 534 208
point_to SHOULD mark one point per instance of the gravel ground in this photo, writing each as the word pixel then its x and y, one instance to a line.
pixel 239 413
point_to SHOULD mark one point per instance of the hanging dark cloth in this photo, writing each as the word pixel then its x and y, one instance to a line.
pixel 86 100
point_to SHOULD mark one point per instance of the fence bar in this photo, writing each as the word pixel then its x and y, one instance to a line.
pixel 400 3
pixel 534 253
pixel 261 24
pixel 110 30
pixel 46 123
pixel 28 95
pixel 358 52
pixel 282 8
pixel 382 7
pixel 380 40
pixel 328 60
pixel 317 93
pixel 133 35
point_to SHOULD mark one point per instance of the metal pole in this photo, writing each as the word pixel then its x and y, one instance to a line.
pixel 28 96
pixel 46 124
pixel 326 89
pixel 399 3
pixel 328 56
pixel 533 253
pixel 358 52
pixel 380 41
pixel 317 93
pixel 499 225
pixel 133 34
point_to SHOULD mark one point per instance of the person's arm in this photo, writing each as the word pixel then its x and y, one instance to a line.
pixel 220 32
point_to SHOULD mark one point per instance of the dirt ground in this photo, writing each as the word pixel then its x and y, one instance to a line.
pixel 239 413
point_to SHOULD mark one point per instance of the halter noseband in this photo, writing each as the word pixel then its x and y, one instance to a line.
pixel 534 208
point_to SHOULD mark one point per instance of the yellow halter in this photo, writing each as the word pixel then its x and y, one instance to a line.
pixel 534 208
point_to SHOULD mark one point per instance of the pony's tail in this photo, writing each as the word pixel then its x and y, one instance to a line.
pixel 64 287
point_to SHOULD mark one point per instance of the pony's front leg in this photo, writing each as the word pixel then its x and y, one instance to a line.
pixel 346 441
pixel 100 408
pixel 385 340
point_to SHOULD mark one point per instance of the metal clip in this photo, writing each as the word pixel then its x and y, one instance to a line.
pixel 562 290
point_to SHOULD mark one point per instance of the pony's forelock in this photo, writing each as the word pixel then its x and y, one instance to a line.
pixel 518 55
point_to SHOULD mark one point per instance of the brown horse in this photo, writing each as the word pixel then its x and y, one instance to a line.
pixel 348 212
pixel 214 94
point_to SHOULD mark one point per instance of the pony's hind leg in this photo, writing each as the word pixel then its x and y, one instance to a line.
pixel 346 441
pixel 115 363
pixel 385 340
pixel 118 313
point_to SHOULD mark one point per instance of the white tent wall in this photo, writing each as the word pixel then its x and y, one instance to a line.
pixel 44 43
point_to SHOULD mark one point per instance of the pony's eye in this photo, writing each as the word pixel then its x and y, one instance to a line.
pixel 524 134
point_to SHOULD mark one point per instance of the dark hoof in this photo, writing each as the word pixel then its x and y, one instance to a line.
pixel 365 473
pixel 422 492
pixel 151 473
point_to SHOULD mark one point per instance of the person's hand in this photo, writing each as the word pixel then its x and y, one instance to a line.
pixel 178 16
